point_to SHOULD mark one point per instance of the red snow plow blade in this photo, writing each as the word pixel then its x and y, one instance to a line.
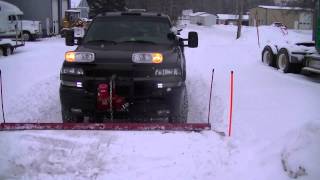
pixel 106 126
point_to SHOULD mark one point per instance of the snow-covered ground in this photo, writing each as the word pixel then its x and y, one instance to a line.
pixel 276 128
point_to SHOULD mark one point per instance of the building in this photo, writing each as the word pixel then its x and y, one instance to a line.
pixel 195 17
pixel 186 14
pixel 49 12
pixel 207 19
pixel 292 17
pixel 84 9
pixel 231 19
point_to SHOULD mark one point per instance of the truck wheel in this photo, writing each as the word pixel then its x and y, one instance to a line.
pixel 179 106
pixel 283 62
pixel 26 36
pixel 8 51
pixel 1 52
pixel 268 58
pixel 68 117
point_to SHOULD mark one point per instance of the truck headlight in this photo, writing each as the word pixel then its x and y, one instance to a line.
pixel 155 58
pixel 72 56
pixel 72 71
pixel 168 72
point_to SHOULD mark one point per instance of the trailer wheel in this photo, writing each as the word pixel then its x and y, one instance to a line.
pixel 180 106
pixel 283 62
pixel 8 51
pixel 268 57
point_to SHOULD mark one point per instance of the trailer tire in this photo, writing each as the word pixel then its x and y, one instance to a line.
pixel 283 62
pixel 268 56
pixel 8 51
pixel 180 106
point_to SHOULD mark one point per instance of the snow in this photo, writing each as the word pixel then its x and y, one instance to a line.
pixel 276 124
pixel 231 17
pixel 284 8
pixel 196 14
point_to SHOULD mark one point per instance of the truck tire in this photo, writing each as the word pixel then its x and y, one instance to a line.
pixel 68 117
pixel 283 62
pixel 179 106
pixel 1 52
pixel 268 58
pixel 8 51
pixel 27 36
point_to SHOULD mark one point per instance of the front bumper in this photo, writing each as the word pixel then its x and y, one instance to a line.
pixel 147 100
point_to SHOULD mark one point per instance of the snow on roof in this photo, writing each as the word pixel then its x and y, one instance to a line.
pixel 231 16
pixel 9 8
pixel 197 13
pixel 73 10
pixel 187 12
pixel 283 8
pixel 207 14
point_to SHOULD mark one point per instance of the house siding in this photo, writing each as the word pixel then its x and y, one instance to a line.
pixel 268 16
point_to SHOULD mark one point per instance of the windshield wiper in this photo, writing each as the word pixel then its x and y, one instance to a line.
pixel 102 41
pixel 138 41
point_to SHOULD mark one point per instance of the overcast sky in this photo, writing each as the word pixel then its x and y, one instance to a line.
pixel 74 3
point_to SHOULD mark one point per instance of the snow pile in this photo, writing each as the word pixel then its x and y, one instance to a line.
pixel 300 155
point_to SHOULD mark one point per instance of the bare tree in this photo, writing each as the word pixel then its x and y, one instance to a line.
pixel 240 14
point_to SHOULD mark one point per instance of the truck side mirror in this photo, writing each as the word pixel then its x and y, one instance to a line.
pixel 193 39
pixel 69 37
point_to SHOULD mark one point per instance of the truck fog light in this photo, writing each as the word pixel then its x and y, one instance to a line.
pixel 163 112
pixel 79 84
pixel 76 110
pixel 160 85
pixel 169 89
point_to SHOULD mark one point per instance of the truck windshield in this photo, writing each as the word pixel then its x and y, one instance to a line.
pixel 129 29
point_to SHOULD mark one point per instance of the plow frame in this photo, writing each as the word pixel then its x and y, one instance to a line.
pixel 197 127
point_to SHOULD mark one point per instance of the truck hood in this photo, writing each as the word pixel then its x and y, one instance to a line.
pixel 122 53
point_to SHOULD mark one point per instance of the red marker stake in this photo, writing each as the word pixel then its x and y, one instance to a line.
pixel 231 104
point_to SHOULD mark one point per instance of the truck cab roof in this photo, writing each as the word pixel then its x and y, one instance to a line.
pixel 9 9
pixel 133 13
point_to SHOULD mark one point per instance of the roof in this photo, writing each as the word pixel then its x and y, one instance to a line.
pixel 146 14
pixel 284 8
pixel 73 10
pixel 9 8
pixel 206 14
pixel 197 13
pixel 231 17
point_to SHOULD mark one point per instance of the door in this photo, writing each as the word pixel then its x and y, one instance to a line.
pixel 55 17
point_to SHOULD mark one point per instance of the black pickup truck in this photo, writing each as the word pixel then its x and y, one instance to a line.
pixel 129 66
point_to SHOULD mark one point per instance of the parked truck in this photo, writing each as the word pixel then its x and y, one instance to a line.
pixel 297 57
pixel 11 19
pixel 10 32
